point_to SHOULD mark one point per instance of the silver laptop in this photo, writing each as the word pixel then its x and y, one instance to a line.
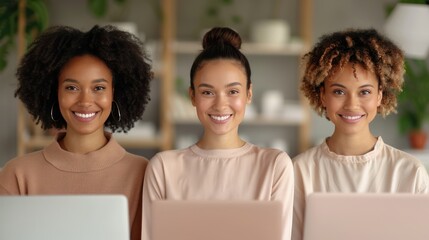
pixel 369 216
pixel 71 217
pixel 217 220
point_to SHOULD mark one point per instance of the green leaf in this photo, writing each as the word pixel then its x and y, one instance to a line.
pixel 120 1
pixel 212 11
pixel 414 99
pixel 413 1
pixel 236 19
pixel 98 7
pixel 38 15
pixel 37 20
pixel 227 2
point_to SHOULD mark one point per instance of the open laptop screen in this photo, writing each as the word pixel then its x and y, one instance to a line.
pixel 71 217
pixel 216 220
pixel 369 216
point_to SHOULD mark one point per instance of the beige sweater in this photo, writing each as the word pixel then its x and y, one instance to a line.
pixel 384 169
pixel 246 173
pixel 109 170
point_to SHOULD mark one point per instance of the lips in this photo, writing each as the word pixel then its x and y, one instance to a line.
pixel 351 118
pixel 84 115
pixel 220 118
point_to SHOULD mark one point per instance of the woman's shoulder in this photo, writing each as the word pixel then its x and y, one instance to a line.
pixel 136 157
pixel 136 160
pixel 170 154
pixel 273 154
pixel 168 158
pixel 390 152
pixel 308 154
pixel 27 161
pixel 267 150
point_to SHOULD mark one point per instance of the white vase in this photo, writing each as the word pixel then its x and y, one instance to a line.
pixel 270 31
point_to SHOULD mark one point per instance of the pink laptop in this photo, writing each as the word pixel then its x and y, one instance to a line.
pixel 369 216
pixel 217 220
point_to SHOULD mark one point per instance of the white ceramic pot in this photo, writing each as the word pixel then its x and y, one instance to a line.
pixel 270 31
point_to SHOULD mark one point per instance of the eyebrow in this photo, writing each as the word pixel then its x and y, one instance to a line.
pixel 99 80
pixel 228 85
pixel 340 85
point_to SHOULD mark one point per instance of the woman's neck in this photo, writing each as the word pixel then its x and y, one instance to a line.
pixel 351 145
pixel 83 143
pixel 220 142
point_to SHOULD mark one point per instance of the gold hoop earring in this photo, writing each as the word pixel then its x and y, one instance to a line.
pixel 52 113
pixel 119 112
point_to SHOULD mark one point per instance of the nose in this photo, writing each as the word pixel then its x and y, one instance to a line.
pixel 352 102
pixel 85 99
pixel 220 102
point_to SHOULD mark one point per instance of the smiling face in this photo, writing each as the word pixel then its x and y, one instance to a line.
pixel 220 97
pixel 85 95
pixel 351 98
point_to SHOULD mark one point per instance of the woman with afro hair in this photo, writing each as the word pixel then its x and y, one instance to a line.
pixel 82 83
pixel 349 77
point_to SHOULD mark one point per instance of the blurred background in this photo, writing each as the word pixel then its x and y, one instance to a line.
pixel 275 34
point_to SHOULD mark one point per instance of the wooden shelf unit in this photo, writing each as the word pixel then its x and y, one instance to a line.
pixel 30 137
pixel 294 49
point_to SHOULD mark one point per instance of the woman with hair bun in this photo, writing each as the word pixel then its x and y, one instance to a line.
pixel 221 165
pixel 81 83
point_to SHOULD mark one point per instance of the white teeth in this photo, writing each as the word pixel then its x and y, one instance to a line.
pixel 352 117
pixel 84 115
pixel 220 118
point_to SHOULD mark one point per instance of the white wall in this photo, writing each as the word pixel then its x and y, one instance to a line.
pixel 329 15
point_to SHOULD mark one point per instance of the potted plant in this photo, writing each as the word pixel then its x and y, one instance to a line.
pixel 214 13
pixel 36 20
pixel 118 11
pixel 218 13
pixel 414 102
pixel 100 8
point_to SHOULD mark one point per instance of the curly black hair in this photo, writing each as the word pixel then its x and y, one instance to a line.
pixel 364 47
pixel 122 52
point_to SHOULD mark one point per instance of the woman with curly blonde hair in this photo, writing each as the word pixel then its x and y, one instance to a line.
pixel 350 76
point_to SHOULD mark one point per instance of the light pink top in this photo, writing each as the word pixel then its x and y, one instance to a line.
pixel 246 173
pixel 384 169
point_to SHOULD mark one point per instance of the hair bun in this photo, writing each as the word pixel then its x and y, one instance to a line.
pixel 221 36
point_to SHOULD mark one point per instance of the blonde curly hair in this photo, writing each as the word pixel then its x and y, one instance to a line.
pixel 364 47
